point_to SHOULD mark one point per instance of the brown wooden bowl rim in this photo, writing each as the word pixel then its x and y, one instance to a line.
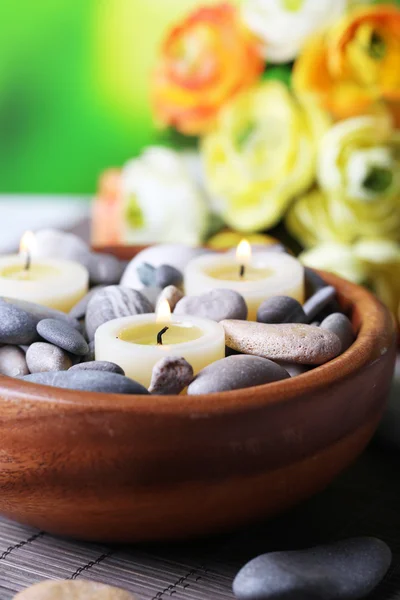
pixel 365 349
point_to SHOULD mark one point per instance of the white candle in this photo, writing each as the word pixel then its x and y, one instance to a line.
pixel 51 282
pixel 256 277
pixel 131 342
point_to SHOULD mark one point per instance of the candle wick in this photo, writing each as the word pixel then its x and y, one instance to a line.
pixel 27 261
pixel 160 334
pixel 241 271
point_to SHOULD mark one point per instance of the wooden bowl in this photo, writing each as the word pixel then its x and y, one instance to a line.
pixel 125 468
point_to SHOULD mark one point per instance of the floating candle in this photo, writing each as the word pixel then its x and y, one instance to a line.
pixel 256 277
pixel 55 283
pixel 136 343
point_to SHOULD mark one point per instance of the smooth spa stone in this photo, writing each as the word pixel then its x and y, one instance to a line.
pixel 235 373
pixel 294 369
pixel 168 275
pixel 172 294
pixel 73 590
pixel 64 336
pixel 147 274
pixel 79 310
pixel 113 302
pixel 98 365
pixel 90 356
pixel 281 309
pixel 90 381
pixel 176 255
pixel 217 305
pixel 42 357
pixel 54 243
pixel 345 570
pixel 291 342
pixel 17 327
pixel 40 312
pixel 318 301
pixel 13 361
pixel 104 269
pixel 312 282
pixel 338 323
pixel 170 375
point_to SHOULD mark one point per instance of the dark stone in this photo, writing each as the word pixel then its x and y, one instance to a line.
pixel 281 309
pixel 147 274
pixel 64 336
pixel 17 327
pixel 168 275
pixel 98 365
pixel 345 570
pixel 316 303
pixel 90 381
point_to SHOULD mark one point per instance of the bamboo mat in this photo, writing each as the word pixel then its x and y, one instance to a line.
pixel 363 501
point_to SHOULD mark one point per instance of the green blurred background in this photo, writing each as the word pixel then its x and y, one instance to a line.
pixel 74 77
pixel 74 88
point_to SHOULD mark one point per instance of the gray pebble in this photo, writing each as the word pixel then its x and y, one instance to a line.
pixel 345 570
pixel 104 269
pixel 147 274
pixel 290 342
pixel 313 282
pixel 170 375
pixel 64 336
pixel 217 305
pixel 113 302
pixel 42 357
pixel 16 325
pixel 91 381
pixel 40 312
pixel 79 310
pixel 341 325
pixel 168 275
pixel 172 294
pixel 236 372
pixel 318 301
pixel 294 369
pixel 90 356
pixel 13 361
pixel 281 309
pixel 151 293
pixel 98 365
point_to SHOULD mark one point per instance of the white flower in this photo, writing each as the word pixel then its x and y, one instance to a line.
pixel 162 201
pixel 284 25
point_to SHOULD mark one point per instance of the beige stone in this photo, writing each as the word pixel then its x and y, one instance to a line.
pixel 291 342
pixel 73 590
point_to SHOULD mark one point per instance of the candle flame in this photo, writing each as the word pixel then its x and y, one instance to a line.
pixel 27 243
pixel 163 312
pixel 243 253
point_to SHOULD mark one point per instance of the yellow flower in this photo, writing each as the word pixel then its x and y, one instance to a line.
pixel 355 63
pixel 358 173
pixel 262 154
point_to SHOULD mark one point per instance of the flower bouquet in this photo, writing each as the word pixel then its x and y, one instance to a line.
pixel 272 112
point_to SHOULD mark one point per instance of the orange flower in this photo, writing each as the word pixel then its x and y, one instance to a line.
pixel 204 61
pixel 355 64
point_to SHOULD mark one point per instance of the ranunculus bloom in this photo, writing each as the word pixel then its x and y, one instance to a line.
pixel 261 154
pixel 283 25
pixel 355 63
pixel 358 173
pixel 204 61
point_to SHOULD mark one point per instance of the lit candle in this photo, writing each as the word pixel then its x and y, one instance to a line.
pixel 136 343
pixel 51 282
pixel 256 277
